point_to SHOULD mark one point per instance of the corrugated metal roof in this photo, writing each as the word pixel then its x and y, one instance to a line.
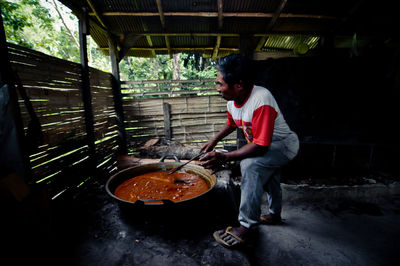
pixel 195 24
pixel 290 42
pixel 250 6
pixel 189 6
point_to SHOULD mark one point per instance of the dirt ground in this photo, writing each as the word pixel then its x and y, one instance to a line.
pixel 93 229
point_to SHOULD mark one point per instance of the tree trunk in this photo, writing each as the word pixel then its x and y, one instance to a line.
pixel 177 67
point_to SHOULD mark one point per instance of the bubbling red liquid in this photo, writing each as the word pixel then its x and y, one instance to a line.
pixel 159 185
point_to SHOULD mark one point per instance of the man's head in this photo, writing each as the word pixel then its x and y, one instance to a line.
pixel 234 76
pixel 235 69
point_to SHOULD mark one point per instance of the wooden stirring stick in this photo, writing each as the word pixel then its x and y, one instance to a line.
pixel 182 165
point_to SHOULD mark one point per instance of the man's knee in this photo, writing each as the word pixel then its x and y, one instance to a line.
pixel 246 164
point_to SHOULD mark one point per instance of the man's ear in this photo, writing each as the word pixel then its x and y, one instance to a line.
pixel 237 87
pixel 240 85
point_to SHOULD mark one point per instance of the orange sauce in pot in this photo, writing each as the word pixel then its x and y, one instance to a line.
pixel 159 185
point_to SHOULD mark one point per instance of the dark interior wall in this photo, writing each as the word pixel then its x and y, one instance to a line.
pixel 340 106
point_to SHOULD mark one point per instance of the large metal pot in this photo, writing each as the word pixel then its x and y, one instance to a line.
pixel 131 172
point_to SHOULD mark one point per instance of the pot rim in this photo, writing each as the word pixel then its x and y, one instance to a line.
pixel 160 202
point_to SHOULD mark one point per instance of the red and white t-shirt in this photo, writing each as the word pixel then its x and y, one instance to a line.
pixel 259 117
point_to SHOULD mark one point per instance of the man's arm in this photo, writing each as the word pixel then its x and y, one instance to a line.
pixel 213 160
pixel 248 150
pixel 225 131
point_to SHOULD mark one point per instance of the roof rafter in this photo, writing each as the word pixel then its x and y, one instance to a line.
pixel 96 14
pixel 162 19
pixel 220 14
pixel 216 34
pixel 271 23
pixel 128 39
pixel 215 14
pixel 160 13
pixel 220 24
pixel 178 49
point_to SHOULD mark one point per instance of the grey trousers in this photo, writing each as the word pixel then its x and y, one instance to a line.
pixel 261 174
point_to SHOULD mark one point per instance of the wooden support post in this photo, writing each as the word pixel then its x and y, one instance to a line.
pixel 216 48
pixel 85 86
pixel 14 157
pixel 167 121
pixel 116 87
pixel 168 46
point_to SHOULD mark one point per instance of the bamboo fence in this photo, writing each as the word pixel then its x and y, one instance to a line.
pixel 195 111
pixel 187 111
pixel 53 88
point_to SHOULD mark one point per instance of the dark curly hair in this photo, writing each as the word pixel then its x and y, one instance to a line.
pixel 235 68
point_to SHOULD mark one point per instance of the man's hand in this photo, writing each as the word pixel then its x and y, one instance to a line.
pixel 225 131
pixel 207 147
pixel 214 160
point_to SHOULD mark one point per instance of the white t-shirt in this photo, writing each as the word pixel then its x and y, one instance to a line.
pixel 259 117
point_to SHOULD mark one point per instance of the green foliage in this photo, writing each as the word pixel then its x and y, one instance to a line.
pixel 16 18
pixel 196 67
pixel 191 66
pixel 28 23
pixel 138 68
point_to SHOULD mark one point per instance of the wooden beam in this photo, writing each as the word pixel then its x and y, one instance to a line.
pixel 96 14
pixel 153 53
pixel 217 45
pixel 216 34
pixel 161 13
pixel 167 121
pixel 176 49
pixel 175 34
pixel 116 89
pixel 220 14
pixel 261 43
pixel 215 15
pixel 168 46
pixel 127 43
pixel 162 19
pixel 276 15
pixel 85 90
pixel 271 23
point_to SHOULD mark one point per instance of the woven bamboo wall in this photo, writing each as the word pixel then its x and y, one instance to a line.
pixel 197 112
pixel 53 87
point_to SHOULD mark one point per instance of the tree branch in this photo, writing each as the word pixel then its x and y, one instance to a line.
pixel 65 24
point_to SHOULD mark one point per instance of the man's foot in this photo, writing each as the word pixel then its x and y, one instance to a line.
pixel 271 219
pixel 231 237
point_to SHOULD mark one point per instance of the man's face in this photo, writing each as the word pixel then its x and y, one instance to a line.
pixel 223 88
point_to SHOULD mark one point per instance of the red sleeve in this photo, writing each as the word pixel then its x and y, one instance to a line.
pixel 230 121
pixel 263 125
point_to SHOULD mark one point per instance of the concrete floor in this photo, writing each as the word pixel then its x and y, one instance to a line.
pixel 92 229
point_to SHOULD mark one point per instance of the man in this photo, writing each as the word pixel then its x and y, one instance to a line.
pixel 271 144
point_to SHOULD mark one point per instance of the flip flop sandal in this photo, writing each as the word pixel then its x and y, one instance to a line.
pixel 228 239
